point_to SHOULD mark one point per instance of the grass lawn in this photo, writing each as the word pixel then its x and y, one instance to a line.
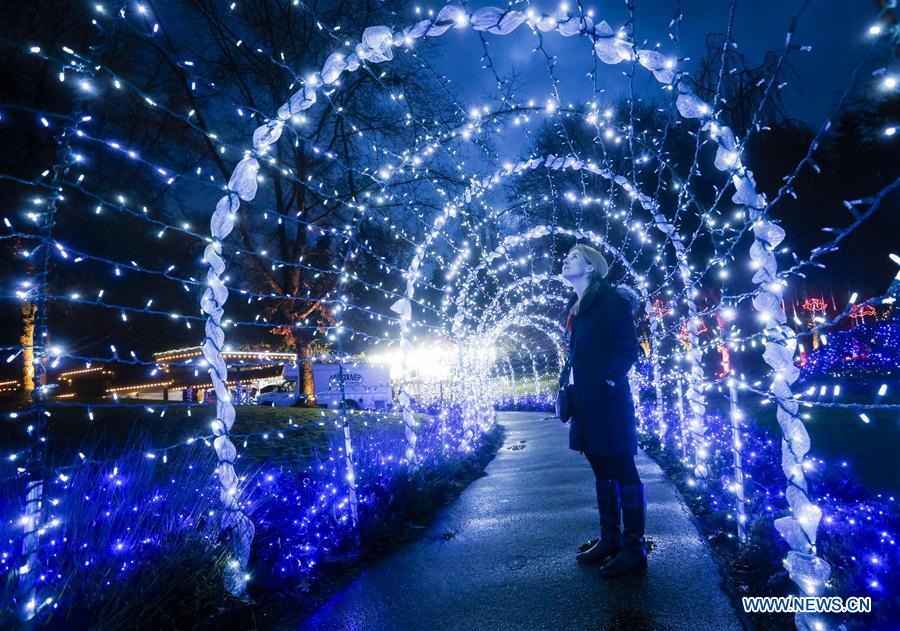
pixel 524 386
pixel 839 435
pixel 117 431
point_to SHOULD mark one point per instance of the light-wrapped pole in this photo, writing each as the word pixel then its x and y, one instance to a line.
pixel 241 186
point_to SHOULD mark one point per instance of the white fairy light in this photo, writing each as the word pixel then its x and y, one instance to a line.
pixel 476 352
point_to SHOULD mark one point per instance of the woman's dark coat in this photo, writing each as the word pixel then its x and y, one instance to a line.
pixel 603 346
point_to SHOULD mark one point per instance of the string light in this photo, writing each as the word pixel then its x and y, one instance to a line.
pixel 488 298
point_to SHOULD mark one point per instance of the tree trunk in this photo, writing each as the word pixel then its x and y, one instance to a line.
pixel 27 342
pixel 304 369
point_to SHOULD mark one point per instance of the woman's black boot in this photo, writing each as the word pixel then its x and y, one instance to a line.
pixel 633 556
pixel 610 541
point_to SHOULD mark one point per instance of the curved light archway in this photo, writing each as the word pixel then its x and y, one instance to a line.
pixel 611 47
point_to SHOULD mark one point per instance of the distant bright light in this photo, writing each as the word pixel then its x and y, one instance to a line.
pixel 429 362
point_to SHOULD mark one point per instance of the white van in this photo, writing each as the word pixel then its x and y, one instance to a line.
pixel 277 395
pixel 366 386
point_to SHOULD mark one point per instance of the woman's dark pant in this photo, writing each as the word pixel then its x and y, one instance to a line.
pixel 622 504
pixel 618 467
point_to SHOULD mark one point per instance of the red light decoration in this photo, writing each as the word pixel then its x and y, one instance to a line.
pixel 861 311
pixel 661 308
pixel 726 361
pixel 684 334
pixel 814 305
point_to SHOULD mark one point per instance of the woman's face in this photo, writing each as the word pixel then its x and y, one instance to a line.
pixel 574 266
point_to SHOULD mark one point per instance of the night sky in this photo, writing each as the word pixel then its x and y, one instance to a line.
pixel 836 30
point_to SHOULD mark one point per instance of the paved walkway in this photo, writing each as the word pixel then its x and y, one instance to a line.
pixel 501 555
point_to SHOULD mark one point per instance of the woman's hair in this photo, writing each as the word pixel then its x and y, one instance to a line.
pixel 601 269
pixel 594 258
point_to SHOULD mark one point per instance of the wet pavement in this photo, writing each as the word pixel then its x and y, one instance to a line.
pixel 501 556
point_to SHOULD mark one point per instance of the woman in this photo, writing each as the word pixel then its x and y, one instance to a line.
pixel 602 348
